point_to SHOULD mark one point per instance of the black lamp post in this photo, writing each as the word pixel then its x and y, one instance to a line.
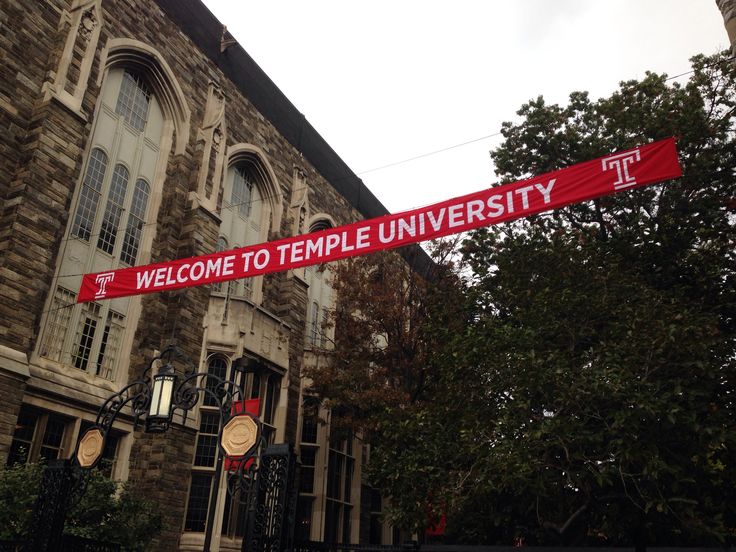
pixel 156 399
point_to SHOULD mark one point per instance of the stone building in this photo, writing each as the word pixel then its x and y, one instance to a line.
pixel 728 9
pixel 138 131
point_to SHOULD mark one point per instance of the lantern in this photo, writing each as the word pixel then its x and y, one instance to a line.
pixel 159 413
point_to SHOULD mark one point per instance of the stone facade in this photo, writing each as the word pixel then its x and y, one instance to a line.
pixel 218 112
pixel 728 9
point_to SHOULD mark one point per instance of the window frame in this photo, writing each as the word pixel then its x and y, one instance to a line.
pixel 85 226
pixel 205 408
pixel 267 192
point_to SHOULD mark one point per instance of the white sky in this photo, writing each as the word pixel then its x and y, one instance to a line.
pixel 383 81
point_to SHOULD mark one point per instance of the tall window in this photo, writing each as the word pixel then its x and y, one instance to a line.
pixel 340 467
pixel 107 225
pixel 321 298
pixel 245 219
pixel 134 228
pixel 89 197
pixel 376 516
pixel 308 451
pixel 205 451
pixel 264 385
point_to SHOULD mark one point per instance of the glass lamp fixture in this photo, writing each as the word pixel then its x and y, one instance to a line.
pixel 159 413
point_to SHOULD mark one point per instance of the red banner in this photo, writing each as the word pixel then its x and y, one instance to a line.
pixel 626 170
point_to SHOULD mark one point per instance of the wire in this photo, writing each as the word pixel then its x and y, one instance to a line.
pixel 704 178
pixel 251 202
pixel 732 58
pixel 421 156
pixel 430 153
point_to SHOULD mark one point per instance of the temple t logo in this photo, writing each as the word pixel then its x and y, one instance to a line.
pixel 621 163
pixel 102 280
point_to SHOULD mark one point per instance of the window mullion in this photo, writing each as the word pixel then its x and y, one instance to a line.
pixel 104 196
pixel 94 352
pixel 68 344
pixel 129 192
pixel 38 433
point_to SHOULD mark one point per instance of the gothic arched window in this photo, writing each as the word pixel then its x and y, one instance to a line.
pixel 107 224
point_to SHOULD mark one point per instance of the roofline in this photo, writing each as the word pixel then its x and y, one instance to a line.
pixel 205 31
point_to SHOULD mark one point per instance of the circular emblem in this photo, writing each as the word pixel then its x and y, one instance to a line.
pixel 90 447
pixel 239 435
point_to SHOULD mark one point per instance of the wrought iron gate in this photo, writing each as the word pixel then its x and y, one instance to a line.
pixel 272 518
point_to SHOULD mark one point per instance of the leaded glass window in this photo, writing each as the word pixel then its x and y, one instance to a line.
pixel 58 322
pixel 340 469
pixel 89 197
pixel 217 367
pixel 108 221
pixel 242 192
pixel 113 210
pixel 206 447
pixel 198 503
pixel 206 450
pixel 133 100
pixel 86 329
pixel 134 228
pixel 110 345
pixel 246 217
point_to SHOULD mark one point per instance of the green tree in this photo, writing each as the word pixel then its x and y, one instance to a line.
pixel 18 491
pixel 108 511
pixel 591 398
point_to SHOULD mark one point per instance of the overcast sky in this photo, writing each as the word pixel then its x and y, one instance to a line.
pixel 383 81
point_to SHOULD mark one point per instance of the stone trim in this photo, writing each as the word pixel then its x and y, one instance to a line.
pixel 15 362
pixel 85 23
pixel 129 52
pixel 273 196
pixel 212 139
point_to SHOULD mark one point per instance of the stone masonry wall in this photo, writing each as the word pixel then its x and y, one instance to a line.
pixel 41 156
pixel 12 388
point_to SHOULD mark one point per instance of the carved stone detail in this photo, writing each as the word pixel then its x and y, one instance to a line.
pixel 299 209
pixel 87 25
pixel 85 22
pixel 299 204
pixel 213 138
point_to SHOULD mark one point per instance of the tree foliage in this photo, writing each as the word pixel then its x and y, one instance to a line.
pixel 108 511
pixel 587 396
pixel 614 321
pixel 379 361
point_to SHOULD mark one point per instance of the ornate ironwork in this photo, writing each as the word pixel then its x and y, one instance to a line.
pixel 223 392
pixel 62 485
pixel 186 395
pixel 269 529
pixel 64 482
pixel 137 394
